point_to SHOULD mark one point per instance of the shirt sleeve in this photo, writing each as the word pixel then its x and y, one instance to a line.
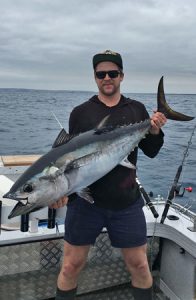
pixel 152 143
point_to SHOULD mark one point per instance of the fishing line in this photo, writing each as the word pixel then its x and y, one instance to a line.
pixel 173 189
pixel 186 151
pixel 156 264
pixel 61 126
pixel 185 155
pixel 152 247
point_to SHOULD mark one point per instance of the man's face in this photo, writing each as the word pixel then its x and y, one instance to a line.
pixel 108 86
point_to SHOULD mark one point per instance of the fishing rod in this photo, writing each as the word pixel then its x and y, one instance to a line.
pixel 147 199
pixel 173 189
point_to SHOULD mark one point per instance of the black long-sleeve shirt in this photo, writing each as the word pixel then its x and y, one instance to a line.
pixel 117 189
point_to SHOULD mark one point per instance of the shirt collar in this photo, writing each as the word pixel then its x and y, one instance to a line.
pixel 123 101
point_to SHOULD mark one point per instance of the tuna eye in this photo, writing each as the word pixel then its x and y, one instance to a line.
pixel 28 188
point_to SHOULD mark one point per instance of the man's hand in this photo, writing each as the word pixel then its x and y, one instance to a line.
pixel 157 121
pixel 60 203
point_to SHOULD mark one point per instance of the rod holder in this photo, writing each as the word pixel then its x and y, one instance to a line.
pixel 24 223
pixel 51 218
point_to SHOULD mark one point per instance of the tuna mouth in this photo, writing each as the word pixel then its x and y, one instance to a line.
pixel 17 210
pixel 15 197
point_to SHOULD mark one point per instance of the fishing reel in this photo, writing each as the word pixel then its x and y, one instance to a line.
pixel 185 189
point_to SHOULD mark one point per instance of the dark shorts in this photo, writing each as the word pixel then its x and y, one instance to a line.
pixel 84 222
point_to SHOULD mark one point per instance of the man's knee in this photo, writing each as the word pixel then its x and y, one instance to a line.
pixel 140 272
pixel 136 258
pixel 72 268
pixel 139 265
pixel 74 259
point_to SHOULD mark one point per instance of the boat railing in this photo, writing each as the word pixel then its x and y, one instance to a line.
pixel 184 210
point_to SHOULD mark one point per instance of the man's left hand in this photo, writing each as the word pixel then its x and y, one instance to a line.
pixel 157 121
pixel 60 203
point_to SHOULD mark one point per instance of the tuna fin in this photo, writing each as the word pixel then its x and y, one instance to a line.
pixel 85 194
pixel 163 107
pixel 81 161
pixel 126 163
pixel 62 138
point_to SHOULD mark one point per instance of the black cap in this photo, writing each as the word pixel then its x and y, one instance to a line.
pixel 108 55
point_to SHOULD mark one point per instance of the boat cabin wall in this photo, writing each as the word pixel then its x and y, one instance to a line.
pixel 178 272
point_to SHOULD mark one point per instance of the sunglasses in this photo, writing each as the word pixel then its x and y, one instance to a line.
pixel 112 74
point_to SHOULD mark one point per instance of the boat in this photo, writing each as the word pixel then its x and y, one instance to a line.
pixel 31 250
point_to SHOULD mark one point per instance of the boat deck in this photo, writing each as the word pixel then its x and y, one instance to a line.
pixel 30 262
pixel 29 271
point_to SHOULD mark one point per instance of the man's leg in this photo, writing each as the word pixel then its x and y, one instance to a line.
pixel 83 224
pixel 73 262
pixel 137 264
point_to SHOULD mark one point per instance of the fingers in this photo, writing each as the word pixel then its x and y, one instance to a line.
pixel 60 203
pixel 157 121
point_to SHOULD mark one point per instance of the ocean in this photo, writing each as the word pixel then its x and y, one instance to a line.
pixel 27 126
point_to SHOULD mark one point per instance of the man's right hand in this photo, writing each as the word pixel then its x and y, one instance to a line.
pixel 60 203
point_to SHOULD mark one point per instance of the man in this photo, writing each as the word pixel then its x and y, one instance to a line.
pixel 117 201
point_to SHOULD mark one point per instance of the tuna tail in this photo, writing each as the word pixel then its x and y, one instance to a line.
pixel 164 107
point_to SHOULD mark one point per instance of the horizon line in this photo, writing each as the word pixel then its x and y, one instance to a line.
pixel 85 91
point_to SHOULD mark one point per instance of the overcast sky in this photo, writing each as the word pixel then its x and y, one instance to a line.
pixel 49 44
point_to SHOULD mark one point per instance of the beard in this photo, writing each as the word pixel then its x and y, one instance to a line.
pixel 109 89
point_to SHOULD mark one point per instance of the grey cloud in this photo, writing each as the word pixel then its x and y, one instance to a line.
pixel 49 44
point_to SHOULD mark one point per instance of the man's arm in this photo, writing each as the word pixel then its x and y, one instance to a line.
pixel 154 140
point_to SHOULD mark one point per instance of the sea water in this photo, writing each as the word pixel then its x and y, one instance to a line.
pixel 28 126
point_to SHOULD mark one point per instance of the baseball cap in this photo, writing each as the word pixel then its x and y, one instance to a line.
pixel 108 55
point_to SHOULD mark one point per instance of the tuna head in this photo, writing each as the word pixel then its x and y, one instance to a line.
pixel 38 192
